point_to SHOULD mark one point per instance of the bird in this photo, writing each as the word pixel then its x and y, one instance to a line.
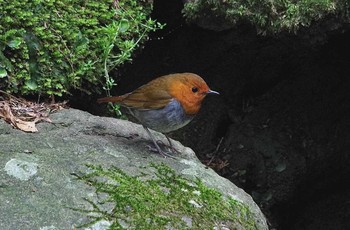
pixel 165 104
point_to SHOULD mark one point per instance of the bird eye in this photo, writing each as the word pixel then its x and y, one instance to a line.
pixel 194 89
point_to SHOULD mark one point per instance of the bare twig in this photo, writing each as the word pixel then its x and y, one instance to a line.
pixel 216 150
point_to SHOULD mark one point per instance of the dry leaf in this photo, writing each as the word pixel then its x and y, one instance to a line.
pixel 24 114
pixel 26 126
pixel 5 112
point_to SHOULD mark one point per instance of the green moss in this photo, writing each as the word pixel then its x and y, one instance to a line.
pixel 52 46
pixel 166 200
pixel 268 16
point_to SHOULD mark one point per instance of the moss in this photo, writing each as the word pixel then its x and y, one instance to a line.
pixel 50 47
pixel 164 201
pixel 268 16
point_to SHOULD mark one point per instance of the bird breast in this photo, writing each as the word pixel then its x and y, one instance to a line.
pixel 167 119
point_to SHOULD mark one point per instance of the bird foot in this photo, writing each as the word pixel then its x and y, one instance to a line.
pixel 173 149
pixel 157 148
pixel 160 151
pixel 170 146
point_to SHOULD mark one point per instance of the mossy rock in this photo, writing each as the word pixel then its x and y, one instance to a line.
pixel 50 47
pixel 267 16
pixel 162 201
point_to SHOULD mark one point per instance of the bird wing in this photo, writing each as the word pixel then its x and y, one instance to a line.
pixel 147 97
pixel 153 95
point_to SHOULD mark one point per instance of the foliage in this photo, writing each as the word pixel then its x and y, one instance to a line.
pixel 162 202
pixel 52 46
pixel 268 15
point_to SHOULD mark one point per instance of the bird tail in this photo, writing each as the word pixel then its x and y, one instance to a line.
pixel 110 99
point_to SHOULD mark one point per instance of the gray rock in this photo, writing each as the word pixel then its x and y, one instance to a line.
pixel 36 181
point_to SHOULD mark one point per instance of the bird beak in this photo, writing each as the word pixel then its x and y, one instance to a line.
pixel 212 91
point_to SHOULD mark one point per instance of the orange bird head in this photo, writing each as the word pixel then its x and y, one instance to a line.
pixel 190 90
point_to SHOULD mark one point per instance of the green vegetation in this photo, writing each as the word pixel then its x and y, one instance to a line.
pixel 268 16
pixel 52 46
pixel 166 201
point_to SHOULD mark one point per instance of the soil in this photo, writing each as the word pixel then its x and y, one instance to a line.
pixel 280 127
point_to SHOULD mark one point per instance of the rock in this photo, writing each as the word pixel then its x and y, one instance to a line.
pixel 37 183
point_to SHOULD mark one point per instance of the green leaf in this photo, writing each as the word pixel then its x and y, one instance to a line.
pixel 124 25
pixel 3 73
pixel 15 43
pixel 5 62
pixel 32 85
pixel 81 41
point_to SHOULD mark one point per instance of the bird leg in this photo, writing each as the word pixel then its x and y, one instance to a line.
pixel 171 145
pixel 159 150
pixel 173 149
